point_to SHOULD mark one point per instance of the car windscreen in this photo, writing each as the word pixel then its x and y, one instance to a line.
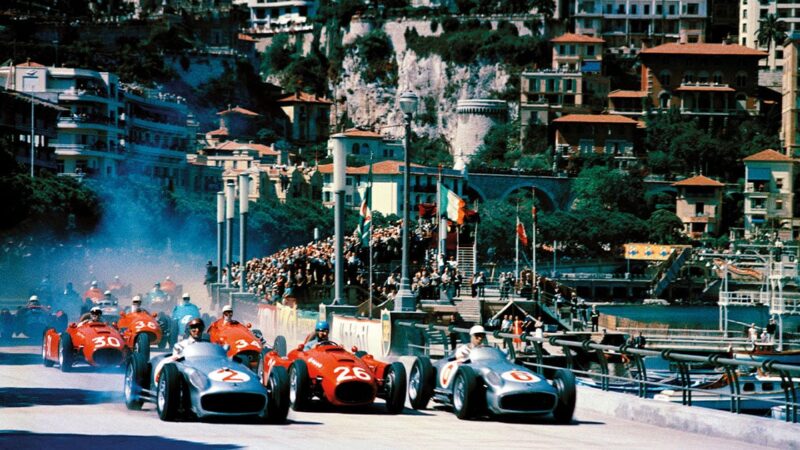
pixel 486 354
pixel 204 350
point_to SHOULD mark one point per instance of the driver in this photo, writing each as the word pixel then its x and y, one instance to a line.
pixel 321 331
pixel 136 305
pixel 33 301
pixel 477 338
pixel 227 318
pixel 93 315
pixel 187 308
pixel 196 327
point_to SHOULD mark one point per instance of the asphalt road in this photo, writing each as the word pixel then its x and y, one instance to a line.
pixel 44 408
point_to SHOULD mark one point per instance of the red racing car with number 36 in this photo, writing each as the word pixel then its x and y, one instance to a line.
pixel 329 372
pixel 97 343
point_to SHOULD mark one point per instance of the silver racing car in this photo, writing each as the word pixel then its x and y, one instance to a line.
pixel 488 383
pixel 203 383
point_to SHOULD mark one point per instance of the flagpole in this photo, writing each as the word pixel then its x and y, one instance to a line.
pixel 516 244
pixel 369 205
pixel 533 261
pixel 442 229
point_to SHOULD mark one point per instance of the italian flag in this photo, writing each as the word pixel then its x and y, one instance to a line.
pixel 451 205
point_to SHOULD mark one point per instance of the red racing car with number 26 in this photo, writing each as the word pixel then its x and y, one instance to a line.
pixel 329 372
pixel 97 343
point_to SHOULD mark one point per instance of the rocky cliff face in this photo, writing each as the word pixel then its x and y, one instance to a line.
pixel 374 105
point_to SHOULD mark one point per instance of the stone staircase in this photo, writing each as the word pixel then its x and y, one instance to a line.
pixel 469 309
pixel 466 262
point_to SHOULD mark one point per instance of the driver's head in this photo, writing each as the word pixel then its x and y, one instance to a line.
pixel 196 328
pixel 186 298
pixel 227 313
pixel 477 335
pixel 157 285
pixel 95 313
pixel 34 300
pixel 322 330
pixel 136 302
pixel 107 294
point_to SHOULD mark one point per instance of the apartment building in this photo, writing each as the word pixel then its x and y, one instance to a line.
pixel 769 194
pixel 269 17
pixel 752 11
pixel 699 205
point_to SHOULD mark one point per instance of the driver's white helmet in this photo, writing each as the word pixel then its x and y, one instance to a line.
pixel 477 329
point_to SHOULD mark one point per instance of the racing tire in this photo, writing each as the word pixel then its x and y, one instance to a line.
pixel 465 388
pixel 394 381
pixel 65 357
pixel 299 386
pixel 280 346
pixel 135 379
pixel 278 395
pixel 168 394
pixel 421 383
pixel 141 345
pixel 45 362
pixel 564 382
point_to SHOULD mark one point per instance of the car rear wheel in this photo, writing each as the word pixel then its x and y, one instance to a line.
pixel 564 382
pixel 394 381
pixel 141 345
pixel 135 380
pixel 278 395
pixel 465 386
pixel 65 357
pixel 168 333
pixel 421 383
pixel 169 393
pixel 46 362
pixel 299 386
pixel 280 345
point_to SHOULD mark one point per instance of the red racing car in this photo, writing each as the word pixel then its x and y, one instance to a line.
pixel 140 330
pixel 243 344
pixel 338 377
pixel 97 343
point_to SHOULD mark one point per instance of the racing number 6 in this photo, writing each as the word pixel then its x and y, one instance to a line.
pixel 344 374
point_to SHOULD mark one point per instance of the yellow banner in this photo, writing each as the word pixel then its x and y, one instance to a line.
pixel 651 252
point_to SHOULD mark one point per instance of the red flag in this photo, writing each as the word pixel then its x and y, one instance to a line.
pixel 523 237
pixel 533 213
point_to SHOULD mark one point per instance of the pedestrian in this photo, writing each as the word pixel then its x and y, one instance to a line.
pixel 772 327
pixel 595 317
pixel 752 333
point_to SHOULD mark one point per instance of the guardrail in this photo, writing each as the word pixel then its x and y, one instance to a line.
pixel 635 357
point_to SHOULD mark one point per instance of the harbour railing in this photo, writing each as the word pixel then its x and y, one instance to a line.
pixel 633 357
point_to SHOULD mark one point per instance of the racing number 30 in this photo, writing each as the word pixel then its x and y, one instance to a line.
pixel 106 341
pixel 344 373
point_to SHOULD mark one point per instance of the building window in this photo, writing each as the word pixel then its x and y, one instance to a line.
pixel 744 27
pixel 717 78
pixel 348 199
pixel 778 205
pixel 779 183
pixel 665 77
pixel 663 100
pixel 621 9
pixel 586 146
pixel 744 14
pixel 348 181
pixel 634 9
pixel 671 10
pixel 699 208
pixel 741 80
pixel 693 8
pixel 533 85
pixel 609 8
pixel 646 10
pixel 590 50
pixel 355 149
pixel 688 77
pixel 659 9
pixel 326 196
pixel 702 77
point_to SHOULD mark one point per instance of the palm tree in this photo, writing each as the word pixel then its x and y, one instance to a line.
pixel 771 32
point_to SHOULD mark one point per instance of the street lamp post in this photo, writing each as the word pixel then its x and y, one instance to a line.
pixel 244 207
pixel 230 199
pixel 220 232
pixel 405 301
pixel 33 138
pixel 339 182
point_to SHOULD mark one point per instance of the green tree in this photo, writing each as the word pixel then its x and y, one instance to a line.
pixel 430 152
pixel 771 32
pixel 664 227
pixel 608 189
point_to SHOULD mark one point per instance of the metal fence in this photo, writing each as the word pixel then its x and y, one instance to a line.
pixel 635 360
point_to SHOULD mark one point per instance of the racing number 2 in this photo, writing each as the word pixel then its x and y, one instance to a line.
pixel 344 373
pixel 106 341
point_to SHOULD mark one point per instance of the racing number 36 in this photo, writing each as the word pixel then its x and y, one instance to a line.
pixel 142 324
pixel 106 341
pixel 344 374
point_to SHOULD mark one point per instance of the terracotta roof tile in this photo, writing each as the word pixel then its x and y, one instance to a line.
pixel 355 132
pixel 218 132
pixel 703 49
pixel 260 148
pixel 303 97
pixel 380 168
pixel 30 64
pixel 595 118
pixel 699 180
pixel 238 110
pixel 577 38
pixel 619 93
pixel 768 155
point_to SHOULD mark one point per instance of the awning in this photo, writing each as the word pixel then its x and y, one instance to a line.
pixel 757 219
pixel 590 66
pixel 758 174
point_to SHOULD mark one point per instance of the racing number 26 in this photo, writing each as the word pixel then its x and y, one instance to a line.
pixel 106 341
pixel 344 373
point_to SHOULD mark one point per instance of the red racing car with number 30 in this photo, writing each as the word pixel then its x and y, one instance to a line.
pixel 97 343
pixel 329 372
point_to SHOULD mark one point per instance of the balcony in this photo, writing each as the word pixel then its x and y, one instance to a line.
pixel 87 120
pixel 97 149
pixel 158 125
